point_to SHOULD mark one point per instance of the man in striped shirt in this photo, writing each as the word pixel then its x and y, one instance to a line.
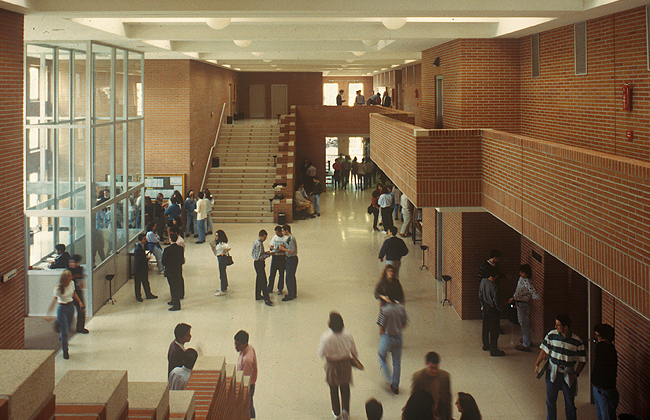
pixel 566 359
pixel 392 319
pixel 259 255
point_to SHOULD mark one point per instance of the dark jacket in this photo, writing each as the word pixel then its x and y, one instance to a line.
pixel 173 258
pixel 140 263
pixel 317 189
pixel 388 288
pixel 488 270
pixel 174 357
pixel 61 261
pixel 603 374
pixel 393 249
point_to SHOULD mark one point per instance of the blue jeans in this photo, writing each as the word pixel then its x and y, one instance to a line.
pixel 252 391
pixel 222 273
pixel 397 211
pixel 202 230
pixel 292 266
pixel 523 313
pixel 552 389
pixel 606 402
pixel 316 200
pixel 157 251
pixel 191 221
pixel 389 343
pixel 64 315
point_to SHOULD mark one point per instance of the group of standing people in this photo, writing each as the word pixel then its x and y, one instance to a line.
pixel 388 202
pixel 362 173
pixel 373 99
pixel 284 253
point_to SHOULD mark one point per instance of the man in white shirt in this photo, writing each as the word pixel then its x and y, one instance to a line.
pixel 202 215
pixel 278 260
pixel 179 376
pixel 406 214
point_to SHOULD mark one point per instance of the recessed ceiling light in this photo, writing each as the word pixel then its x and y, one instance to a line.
pixel 267 61
pixel 226 65
pixel 393 23
pixel 218 23
pixel 242 42
pixel 358 53
pixel 350 60
pixel 408 61
pixel 370 42
pixel 274 65
pixel 237 69
pixel 394 65
pixel 257 53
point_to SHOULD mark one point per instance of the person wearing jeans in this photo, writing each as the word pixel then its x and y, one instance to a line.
pixel 604 372
pixel 392 319
pixel 317 190
pixel 65 295
pixel 190 207
pixel 221 249
pixel 201 215
pixel 291 250
pixel 522 296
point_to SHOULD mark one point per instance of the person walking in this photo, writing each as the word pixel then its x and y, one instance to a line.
pixel 361 174
pixel 278 260
pixel 436 382
pixel 604 372
pixel 393 249
pixel 291 251
pixel 389 285
pixel 386 208
pixel 221 250
pixel 490 299
pixel 316 191
pixel 201 215
pixel 392 320
pixel 78 278
pixel 522 296
pixel 247 362
pixel 65 295
pixel 566 358
pixel 259 255
pixel 173 259
pixel 337 347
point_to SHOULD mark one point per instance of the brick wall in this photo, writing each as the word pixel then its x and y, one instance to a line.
pixel 633 348
pixel 302 89
pixel 314 123
pixel 587 111
pixel 12 292
pixel 208 94
pixel 452 262
pixel 167 117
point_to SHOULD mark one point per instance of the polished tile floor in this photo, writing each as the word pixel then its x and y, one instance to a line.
pixel 338 269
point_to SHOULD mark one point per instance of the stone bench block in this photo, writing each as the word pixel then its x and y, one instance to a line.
pixel 149 400
pixel 181 405
pixel 91 388
pixel 26 384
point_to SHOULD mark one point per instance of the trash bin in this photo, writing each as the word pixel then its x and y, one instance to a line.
pixel 228 119
pixel 282 219
pixel 215 162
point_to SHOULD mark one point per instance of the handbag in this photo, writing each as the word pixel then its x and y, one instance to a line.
pixel 228 260
pixel 370 207
pixel 356 363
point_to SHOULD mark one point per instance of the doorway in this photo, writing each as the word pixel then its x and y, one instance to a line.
pixel 330 90
pixel 279 100
pixel 257 101
pixel 352 94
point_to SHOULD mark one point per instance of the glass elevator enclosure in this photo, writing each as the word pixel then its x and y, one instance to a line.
pixel 84 163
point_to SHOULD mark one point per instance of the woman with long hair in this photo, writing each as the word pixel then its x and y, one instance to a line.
pixel 65 295
pixel 467 407
pixel 221 250
pixel 337 348
pixel 419 406
pixel 389 285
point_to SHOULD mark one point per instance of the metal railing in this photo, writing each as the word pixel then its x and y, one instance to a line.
pixel 207 165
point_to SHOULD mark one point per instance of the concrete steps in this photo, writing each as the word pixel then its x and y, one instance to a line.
pixel 244 179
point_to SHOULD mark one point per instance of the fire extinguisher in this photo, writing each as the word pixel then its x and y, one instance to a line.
pixel 627 97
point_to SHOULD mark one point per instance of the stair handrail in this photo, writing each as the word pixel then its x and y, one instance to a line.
pixel 207 165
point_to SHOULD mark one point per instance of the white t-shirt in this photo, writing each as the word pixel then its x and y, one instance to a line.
pixel 276 241
pixel 221 248
pixel 337 346
pixel 67 295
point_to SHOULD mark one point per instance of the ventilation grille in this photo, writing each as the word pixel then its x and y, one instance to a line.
pixel 580 30
pixel 535 54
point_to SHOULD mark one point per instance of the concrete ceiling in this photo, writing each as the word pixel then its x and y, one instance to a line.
pixel 336 37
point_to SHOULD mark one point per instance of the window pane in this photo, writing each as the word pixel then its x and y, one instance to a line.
pixel 120 64
pixel 39 170
pixel 102 161
pixel 79 151
pixel 135 99
pixel 103 235
pixel 46 232
pixel 64 85
pixel 102 83
pixel 121 212
pixel 63 169
pixel 120 182
pixel 134 156
pixel 80 100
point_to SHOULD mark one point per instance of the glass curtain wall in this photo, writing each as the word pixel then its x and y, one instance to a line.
pixel 84 159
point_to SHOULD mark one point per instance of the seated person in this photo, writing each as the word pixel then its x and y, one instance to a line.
pixel 303 203
pixel 179 376
pixel 63 257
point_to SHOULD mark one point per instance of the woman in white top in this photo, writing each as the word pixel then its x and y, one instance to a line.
pixel 221 249
pixel 337 348
pixel 65 296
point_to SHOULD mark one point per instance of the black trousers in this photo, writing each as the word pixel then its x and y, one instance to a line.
pixel 142 277
pixel 491 319
pixel 387 217
pixel 278 265
pixel 175 289
pixel 81 313
pixel 375 215
pixel 261 289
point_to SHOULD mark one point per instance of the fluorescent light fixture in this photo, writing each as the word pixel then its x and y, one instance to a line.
pixel 370 42
pixel 394 65
pixel 237 69
pixel 358 53
pixel 350 60
pixel 257 53
pixel 393 23
pixel 409 61
pixel 242 42
pixel 226 65
pixel 267 61
pixel 218 23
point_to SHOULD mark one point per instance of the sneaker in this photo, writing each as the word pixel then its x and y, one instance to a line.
pixel 522 348
pixel 219 293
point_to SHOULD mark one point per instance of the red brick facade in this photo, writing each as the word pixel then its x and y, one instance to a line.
pixel 12 292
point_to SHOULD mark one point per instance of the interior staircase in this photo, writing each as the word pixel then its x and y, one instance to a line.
pixel 243 182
